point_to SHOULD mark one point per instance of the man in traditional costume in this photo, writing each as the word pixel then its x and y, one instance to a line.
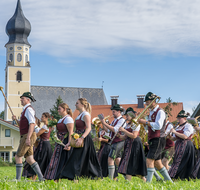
pixel 156 138
pixel 28 136
pixel 117 143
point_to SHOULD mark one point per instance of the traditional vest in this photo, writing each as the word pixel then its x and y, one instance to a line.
pixel 116 139
pixel 45 136
pixel 180 130
pixel 61 127
pixel 131 130
pixel 80 125
pixel 157 133
pixel 24 124
pixel 169 142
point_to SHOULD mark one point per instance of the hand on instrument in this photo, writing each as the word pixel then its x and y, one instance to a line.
pixel 79 141
pixel 146 144
pixel 67 146
pixel 100 139
pixel 142 121
pixel 122 129
pixel 28 142
pixel 197 128
pixel 172 130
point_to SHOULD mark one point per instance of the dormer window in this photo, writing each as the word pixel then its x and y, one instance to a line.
pixel 19 76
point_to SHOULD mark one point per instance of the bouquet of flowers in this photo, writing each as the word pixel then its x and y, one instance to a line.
pixel 52 122
pixel 54 137
pixel 75 136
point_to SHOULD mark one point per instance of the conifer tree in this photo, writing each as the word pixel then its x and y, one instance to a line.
pixel 54 110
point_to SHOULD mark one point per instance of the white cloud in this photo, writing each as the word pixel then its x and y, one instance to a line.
pixel 190 105
pixel 92 28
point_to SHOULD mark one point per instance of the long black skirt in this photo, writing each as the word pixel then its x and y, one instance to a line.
pixel 103 159
pixel 184 160
pixel 196 169
pixel 83 162
pixel 58 160
pixel 133 159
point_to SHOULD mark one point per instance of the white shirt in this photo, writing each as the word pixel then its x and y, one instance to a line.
pixel 133 126
pixel 29 114
pixel 119 123
pixel 158 124
pixel 188 130
pixel 82 115
pixel 37 129
pixel 169 127
pixel 68 119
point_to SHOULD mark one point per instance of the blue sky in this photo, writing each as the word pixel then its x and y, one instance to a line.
pixel 134 46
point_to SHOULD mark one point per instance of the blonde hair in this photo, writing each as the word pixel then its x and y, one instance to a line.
pixel 66 107
pixel 86 104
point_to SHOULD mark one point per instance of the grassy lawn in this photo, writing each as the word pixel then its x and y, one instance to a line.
pixel 8 173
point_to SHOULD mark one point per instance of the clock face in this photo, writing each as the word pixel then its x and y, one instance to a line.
pixel 19 48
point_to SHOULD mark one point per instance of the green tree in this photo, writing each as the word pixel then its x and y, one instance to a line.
pixel 54 110
pixel 2 115
pixel 168 108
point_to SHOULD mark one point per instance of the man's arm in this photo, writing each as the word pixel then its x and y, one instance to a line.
pixel 106 126
pixel 30 132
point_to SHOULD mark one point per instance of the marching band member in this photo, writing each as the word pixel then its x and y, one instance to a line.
pixel 156 138
pixel 133 161
pixel 83 160
pixel 43 152
pixel 196 169
pixel 117 143
pixel 28 137
pixel 169 150
pixel 60 156
pixel 184 158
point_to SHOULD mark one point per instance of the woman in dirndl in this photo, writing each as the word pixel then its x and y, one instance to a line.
pixel 43 152
pixel 184 157
pixel 64 128
pixel 196 169
pixel 83 161
pixel 133 161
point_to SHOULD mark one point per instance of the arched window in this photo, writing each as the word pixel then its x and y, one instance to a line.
pixel 26 58
pixel 19 76
pixel 11 57
pixel 19 57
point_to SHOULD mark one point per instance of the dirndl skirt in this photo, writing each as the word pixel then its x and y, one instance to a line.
pixel 83 162
pixel 58 159
pixel 133 159
pixel 196 169
pixel 103 159
pixel 184 160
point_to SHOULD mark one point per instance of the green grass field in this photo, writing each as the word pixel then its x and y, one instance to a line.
pixel 8 173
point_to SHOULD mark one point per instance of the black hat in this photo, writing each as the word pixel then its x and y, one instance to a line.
pixel 150 96
pixel 182 113
pixel 130 109
pixel 117 107
pixel 28 95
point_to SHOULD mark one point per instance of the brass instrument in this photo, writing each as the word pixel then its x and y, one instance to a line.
pixel 135 121
pixel 97 122
pixel 196 136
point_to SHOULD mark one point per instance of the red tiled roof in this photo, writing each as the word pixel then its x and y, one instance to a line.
pixel 105 109
pixel 9 123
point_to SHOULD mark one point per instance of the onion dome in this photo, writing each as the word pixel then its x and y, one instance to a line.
pixel 18 27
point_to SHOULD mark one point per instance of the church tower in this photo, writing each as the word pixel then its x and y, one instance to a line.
pixel 17 71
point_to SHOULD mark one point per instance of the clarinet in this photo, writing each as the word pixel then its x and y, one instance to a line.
pixel 116 133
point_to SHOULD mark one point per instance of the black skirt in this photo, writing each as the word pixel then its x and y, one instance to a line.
pixel 184 160
pixel 133 159
pixel 42 156
pixel 83 162
pixel 196 169
pixel 58 160
pixel 103 159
